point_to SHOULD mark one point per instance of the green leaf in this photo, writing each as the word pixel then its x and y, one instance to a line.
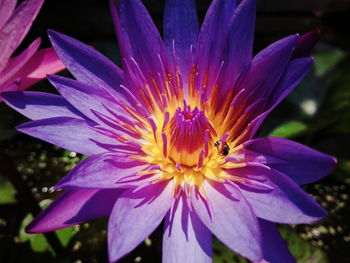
pixel 66 234
pixel 302 250
pixel 223 254
pixel 7 193
pixel 326 61
pixel 289 129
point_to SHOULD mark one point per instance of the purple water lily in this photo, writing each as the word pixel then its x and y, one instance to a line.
pixel 172 136
pixel 32 65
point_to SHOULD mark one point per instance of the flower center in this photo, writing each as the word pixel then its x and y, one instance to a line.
pixel 185 148
pixel 189 133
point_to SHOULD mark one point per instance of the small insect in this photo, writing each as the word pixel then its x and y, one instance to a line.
pixel 223 151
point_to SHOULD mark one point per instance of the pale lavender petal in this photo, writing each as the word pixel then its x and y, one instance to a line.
pixel 230 218
pixel 74 207
pixel 180 30
pixel 85 97
pixel 69 133
pixel 287 203
pixel 301 163
pixel 100 171
pixel 185 237
pixel 17 26
pixel 135 216
pixel 39 105
pixel 274 248
pixel 87 64
pixel 6 9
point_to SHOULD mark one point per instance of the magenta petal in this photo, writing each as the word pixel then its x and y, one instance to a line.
pixel 230 219
pixel 44 61
pixel 74 207
pixel 39 105
pixel 100 171
pixel 69 133
pixel 85 63
pixel 6 10
pixel 16 63
pixel 301 163
pixel 185 238
pixel 287 203
pixel 135 216
pixel 181 30
pixel 306 44
pixel 274 248
pixel 17 26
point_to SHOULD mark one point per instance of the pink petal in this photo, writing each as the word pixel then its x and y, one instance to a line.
pixel 18 25
pixel 15 64
pixel 6 10
pixel 44 62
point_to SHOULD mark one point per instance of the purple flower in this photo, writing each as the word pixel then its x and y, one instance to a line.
pixel 32 65
pixel 172 135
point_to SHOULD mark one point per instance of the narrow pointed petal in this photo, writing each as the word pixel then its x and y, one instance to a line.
pixel 240 38
pixel 138 36
pixel 17 26
pixel 274 248
pixel 185 238
pixel 69 133
pixel 287 203
pixel 232 219
pixel 268 66
pixel 85 97
pixel 306 44
pixel 74 207
pixel 294 74
pixel 85 63
pixel 181 30
pixel 17 63
pixel 301 163
pixel 39 105
pixel 6 9
pixel 135 216
pixel 44 61
pixel 100 171
pixel 213 33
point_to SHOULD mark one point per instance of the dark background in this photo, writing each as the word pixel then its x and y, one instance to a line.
pixel 325 126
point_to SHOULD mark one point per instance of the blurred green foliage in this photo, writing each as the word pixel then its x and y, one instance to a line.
pixel 7 192
pixel 38 242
